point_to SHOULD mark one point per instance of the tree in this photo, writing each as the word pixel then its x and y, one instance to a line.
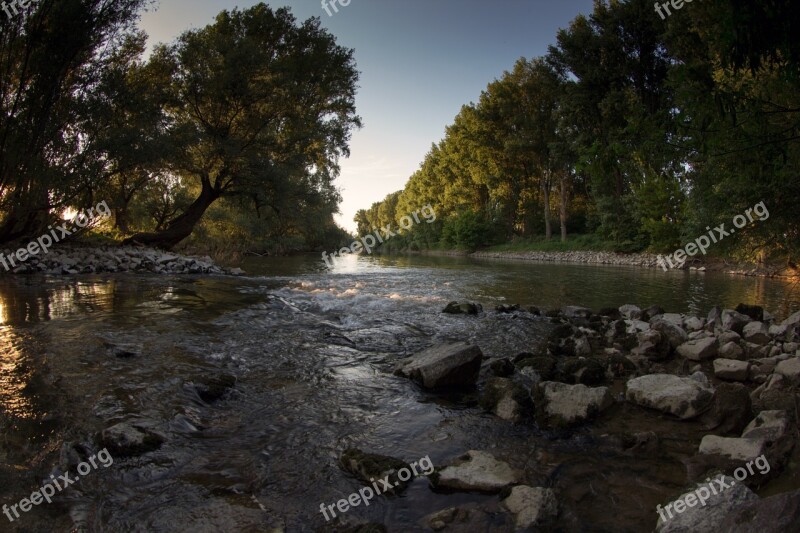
pixel 261 103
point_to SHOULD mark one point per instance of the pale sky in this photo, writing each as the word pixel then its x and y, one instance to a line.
pixel 420 61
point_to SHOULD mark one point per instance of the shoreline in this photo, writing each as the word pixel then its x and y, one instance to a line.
pixel 642 260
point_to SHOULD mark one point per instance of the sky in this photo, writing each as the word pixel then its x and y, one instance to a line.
pixel 420 62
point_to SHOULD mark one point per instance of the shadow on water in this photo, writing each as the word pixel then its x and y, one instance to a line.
pixel 311 352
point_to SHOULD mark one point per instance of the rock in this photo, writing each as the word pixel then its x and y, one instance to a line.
pixel 476 470
pixel 574 311
pixel 652 311
pixel 610 312
pixel 506 399
pixel 367 467
pixel 544 365
pixel 723 501
pixel 768 425
pixel 731 350
pixel 674 334
pixel 533 506
pixel 699 350
pixel 462 308
pixel 684 397
pixel 635 326
pixel 756 312
pixel 560 405
pixel 693 323
pixel 774 394
pixel 792 321
pixel 468 518
pixel 445 365
pixel 585 371
pixel 502 368
pixel 130 439
pixel 731 369
pixel 756 333
pixel 212 389
pixel 776 514
pixel 790 369
pixel 733 321
pixel 731 411
pixel 714 317
pixel 653 345
pixel 630 312
pixel 777 331
pixel 505 308
pixel 675 319
pixel 728 336
pixel 737 449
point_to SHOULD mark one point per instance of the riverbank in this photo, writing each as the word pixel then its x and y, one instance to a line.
pixel 70 260
pixel 643 260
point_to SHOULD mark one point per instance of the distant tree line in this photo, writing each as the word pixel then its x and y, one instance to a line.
pixel 639 131
pixel 232 133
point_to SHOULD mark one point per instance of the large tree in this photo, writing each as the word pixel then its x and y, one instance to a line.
pixel 262 105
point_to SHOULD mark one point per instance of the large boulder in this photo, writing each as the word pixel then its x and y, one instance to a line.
pixel 790 369
pixel 701 508
pixel 653 345
pixel 684 397
pixel 699 349
pixel 583 370
pixel 559 405
pixel 446 365
pixel 731 411
pixel 756 333
pixel 734 321
pixel 737 449
pixel 731 369
pixel 478 471
pixel 776 514
pixel 731 350
pixel 534 507
pixel 674 333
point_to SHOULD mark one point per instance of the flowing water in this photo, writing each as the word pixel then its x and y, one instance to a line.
pixel 312 352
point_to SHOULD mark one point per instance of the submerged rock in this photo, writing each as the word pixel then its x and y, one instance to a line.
pixel 128 439
pixel 462 308
pixel 446 365
pixel 370 467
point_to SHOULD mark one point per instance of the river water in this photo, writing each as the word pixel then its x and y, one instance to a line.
pixel 312 352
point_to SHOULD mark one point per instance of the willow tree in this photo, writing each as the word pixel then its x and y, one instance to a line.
pixel 261 104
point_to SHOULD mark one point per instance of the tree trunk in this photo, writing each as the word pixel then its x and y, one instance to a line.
pixel 563 211
pixel 548 229
pixel 121 218
pixel 181 227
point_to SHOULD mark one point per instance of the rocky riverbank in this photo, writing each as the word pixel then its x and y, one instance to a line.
pixel 70 260
pixel 726 383
pixel 642 260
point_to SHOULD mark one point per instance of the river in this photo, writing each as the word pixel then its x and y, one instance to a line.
pixel 312 352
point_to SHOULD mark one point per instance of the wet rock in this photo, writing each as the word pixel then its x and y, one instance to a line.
pixel 469 518
pixel 679 517
pixel 442 366
pixel 684 397
pixel 734 321
pixel 532 506
pixel 367 467
pixel 699 349
pixel 756 333
pixel 584 371
pixel 652 311
pixel 213 389
pixel 544 365
pixel 502 368
pixel 506 399
pixel 774 394
pixel 504 308
pixel 731 350
pixel 790 369
pixel 478 471
pixel 653 345
pixel 731 369
pixel 630 311
pixel 731 410
pixel 561 405
pixel 776 514
pixel 574 311
pixel 129 439
pixel 674 334
pixel 462 308
pixel 756 312
pixel 694 324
